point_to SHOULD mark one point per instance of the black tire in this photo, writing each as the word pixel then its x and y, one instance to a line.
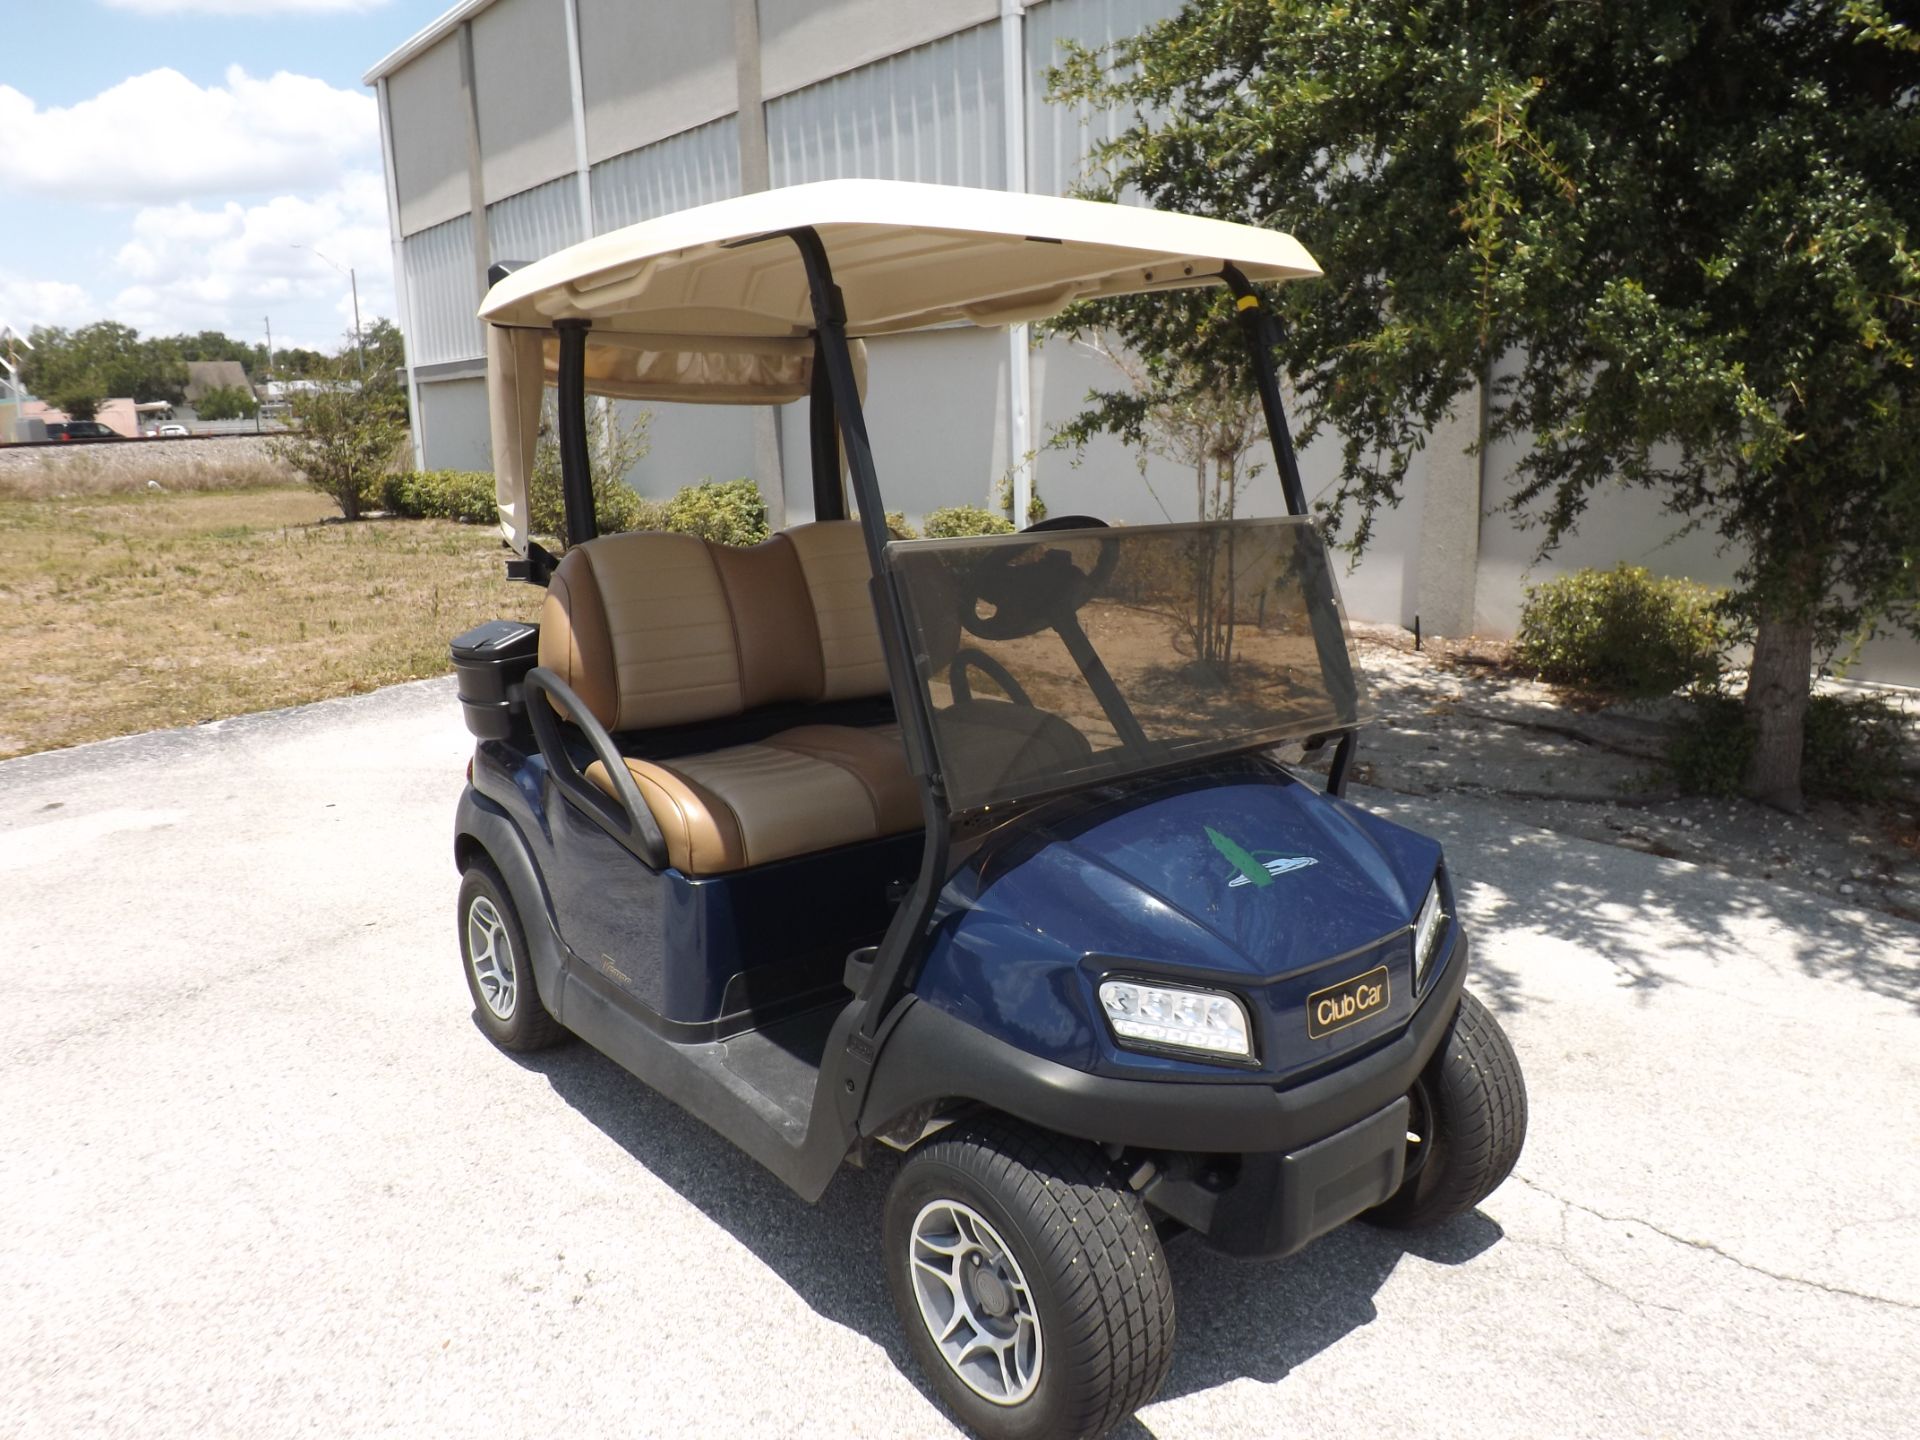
pixel 1470 1110
pixel 525 1025
pixel 1095 1274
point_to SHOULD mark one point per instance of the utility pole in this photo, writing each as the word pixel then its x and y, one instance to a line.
pixel 359 338
pixel 258 408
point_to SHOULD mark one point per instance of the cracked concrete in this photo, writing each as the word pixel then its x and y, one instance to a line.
pixel 259 1173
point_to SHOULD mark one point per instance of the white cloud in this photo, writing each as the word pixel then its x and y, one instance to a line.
pixel 25 303
pixel 192 268
pixel 160 137
pixel 244 7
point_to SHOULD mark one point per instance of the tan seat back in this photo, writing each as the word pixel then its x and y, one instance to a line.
pixel 654 629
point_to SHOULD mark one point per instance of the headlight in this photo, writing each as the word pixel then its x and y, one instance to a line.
pixel 1427 931
pixel 1201 1020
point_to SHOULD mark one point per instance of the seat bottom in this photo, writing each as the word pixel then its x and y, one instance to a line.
pixel 810 788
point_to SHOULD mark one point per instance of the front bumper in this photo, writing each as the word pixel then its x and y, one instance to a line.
pixel 933 1057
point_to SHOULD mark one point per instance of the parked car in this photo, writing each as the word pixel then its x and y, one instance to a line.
pixel 81 430
pixel 173 432
pixel 963 848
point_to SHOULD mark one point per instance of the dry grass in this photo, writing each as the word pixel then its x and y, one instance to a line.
pixel 175 465
pixel 157 610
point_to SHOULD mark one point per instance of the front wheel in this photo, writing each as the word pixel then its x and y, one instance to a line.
pixel 1468 1122
pixel 499 973
pixel 1030 1280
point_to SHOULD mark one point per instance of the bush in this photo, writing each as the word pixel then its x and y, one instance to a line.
pixel 1622 632
pixel 898 528
pixel 1851 750
pixel 958 520
pixel 227 402
pixel 464 495
pixel 727 512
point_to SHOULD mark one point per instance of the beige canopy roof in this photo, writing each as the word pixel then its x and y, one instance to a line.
pixel 682 309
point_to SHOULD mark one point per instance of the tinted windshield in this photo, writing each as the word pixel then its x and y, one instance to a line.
pixel 1051 660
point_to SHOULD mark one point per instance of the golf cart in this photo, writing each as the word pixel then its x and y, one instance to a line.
pixel 980 850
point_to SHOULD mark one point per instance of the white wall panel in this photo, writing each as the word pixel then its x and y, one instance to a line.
pixel 526 104
pixel 534 223
pixel 654 70
pixel 442 288
pixel 689 169
pixel 933 113
pixel 1059 136
pixel 453 424
pixel 804 41
pixel 429 137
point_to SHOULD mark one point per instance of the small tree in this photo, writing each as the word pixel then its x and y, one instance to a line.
pixel 1680 244
pixel 81 402
pixel 227 402
pixel 613 450
pixel 345 438
pixel 1178 409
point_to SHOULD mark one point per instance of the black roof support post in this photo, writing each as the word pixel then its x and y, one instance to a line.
pixel 829 496
pixel 1262 331
pixel 576 479
pixel 898 959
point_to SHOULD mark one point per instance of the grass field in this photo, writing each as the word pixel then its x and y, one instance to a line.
pixel 138 612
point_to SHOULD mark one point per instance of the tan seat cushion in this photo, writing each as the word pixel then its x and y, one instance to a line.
pixel 810 788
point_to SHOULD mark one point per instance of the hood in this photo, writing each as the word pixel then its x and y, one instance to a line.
pixel 1254 874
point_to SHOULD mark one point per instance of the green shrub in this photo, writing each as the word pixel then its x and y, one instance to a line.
pixel 1851 748
pixel 957 520
pixel 464 495
pixel 612 451
pixel 1709 751
pixel 727 512
pixel 227 402
pixel 1622 631
pixel 1854 747
pixel 898 528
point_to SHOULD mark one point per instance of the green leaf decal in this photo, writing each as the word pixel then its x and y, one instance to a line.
pixel 1255 872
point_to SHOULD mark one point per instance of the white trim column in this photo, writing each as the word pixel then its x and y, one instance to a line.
pixel 576 82
pixel 1013 88
pixel 756 173
pixel 415 428
pixel 1447 563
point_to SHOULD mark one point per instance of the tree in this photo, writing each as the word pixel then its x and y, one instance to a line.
pixel 345 437
pixel 80 400
pixel 227 402
pixel 1677 242
pixel 1172 409
pixel 386 351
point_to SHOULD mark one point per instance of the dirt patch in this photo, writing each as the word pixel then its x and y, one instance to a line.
pixel 163 609
pixel 1461 718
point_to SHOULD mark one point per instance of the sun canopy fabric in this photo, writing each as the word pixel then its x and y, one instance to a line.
pixel 712 304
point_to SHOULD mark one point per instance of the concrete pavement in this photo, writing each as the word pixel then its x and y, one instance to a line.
pixel 260 1175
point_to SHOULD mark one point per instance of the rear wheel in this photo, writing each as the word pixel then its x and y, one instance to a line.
pixel 499 975
pixel 1033 1288
pixel 1466 1126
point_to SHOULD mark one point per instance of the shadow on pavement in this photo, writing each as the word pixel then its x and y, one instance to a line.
pixel 1236 1319
pixel 1654 922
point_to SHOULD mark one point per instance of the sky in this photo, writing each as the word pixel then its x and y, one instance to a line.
pixel 185 165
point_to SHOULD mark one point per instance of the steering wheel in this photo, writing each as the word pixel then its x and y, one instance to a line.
pixel 1028 595
pixel 971 659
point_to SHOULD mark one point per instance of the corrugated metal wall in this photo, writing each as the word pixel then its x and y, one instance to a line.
pixel 536 222
pixel 1060 136
pixel 691 168
pixel 933 113
pixel 442 292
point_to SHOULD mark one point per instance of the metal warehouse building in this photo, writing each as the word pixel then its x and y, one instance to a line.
pixel 513 128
